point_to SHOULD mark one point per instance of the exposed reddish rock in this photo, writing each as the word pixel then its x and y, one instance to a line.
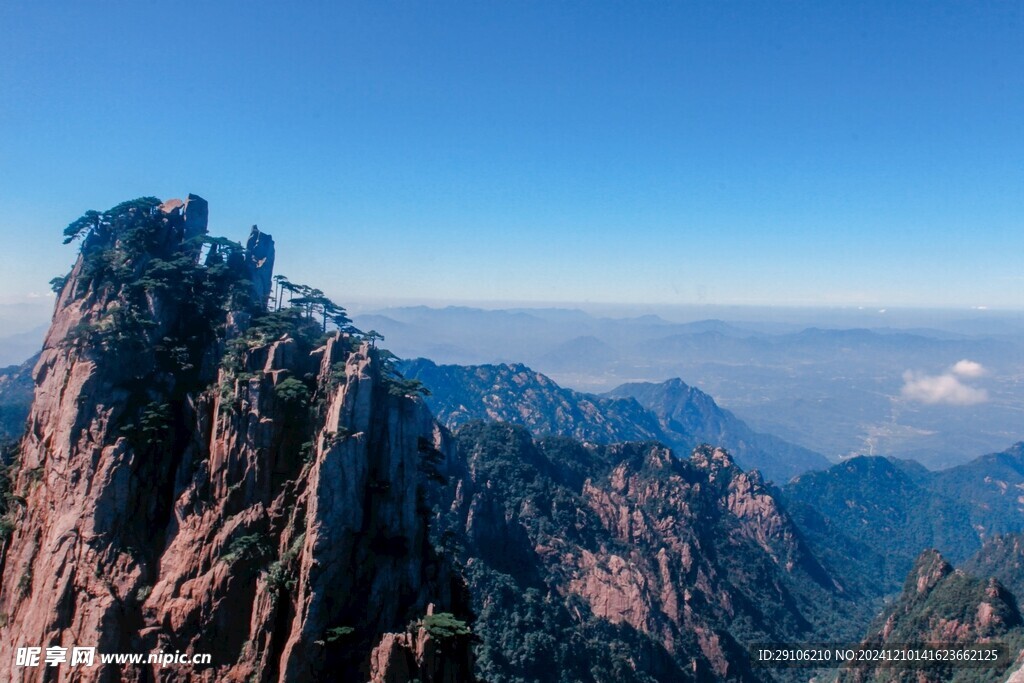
pixel 416 655
pixel 222 534
pixel 942 605
pixel 648 545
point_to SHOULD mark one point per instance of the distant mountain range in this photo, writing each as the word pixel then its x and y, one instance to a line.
pixel 870 515
pixel 834 387
pixel 209 473
pixel 877 514
pixel 687 414
pixel 15 348
pixel 672 413
pixel 16 389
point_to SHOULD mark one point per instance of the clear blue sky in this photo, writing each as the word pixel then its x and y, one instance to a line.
pixel 721 152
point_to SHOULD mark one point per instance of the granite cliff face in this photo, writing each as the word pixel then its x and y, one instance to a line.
pixel 206 471
pixel 628 562
pixel 200 474
pixel 940 604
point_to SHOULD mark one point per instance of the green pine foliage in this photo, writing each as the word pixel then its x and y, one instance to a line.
pixel 292 392
pixel 1002 557
pixel 951 608
pixel 250 547
pixel 444 626
pixel 8 500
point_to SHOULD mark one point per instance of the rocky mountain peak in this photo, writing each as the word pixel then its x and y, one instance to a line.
pixel 202 474
pixel 940 604
pixel 929 569
pixel 259 259
pixel 714 460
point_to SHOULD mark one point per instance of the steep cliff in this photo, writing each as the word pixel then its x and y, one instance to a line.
pixel 624 562
pixel 208 470
pixel 941 605
pixel 201 474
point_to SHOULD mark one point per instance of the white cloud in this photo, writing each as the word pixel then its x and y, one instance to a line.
pixel 969 368
pixel 947 387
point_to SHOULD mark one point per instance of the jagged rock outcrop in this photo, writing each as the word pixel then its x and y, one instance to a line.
pixel 211 480
pixel 259 258
pixel 417 655
pixel 89 497
pixel 1002 557
pixel 676 563
pixel 940 604
pixel 189 217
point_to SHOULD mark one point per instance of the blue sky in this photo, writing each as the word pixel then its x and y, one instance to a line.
pixel 785 153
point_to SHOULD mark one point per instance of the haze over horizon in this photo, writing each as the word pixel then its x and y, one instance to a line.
pixel 594 341
pixel 797 154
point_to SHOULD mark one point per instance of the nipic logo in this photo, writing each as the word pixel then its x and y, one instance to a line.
pixel 86 656
pixel 80 656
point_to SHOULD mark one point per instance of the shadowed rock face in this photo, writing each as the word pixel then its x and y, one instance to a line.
pixel 196 213
pixel 259 258
pixel 267 510
pixel 189 217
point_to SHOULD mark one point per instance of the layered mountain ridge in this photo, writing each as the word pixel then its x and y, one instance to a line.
pixel 673 413
pixel 210 468
pixel 875 515
pixel 634 564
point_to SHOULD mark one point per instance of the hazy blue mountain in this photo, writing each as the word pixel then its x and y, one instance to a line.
pixel 877 514
pixel 14 349
pixel 678 416
pixel 829 381
pixel 583 356
pixel 516 394
pixel 684 410
pixel 16 389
